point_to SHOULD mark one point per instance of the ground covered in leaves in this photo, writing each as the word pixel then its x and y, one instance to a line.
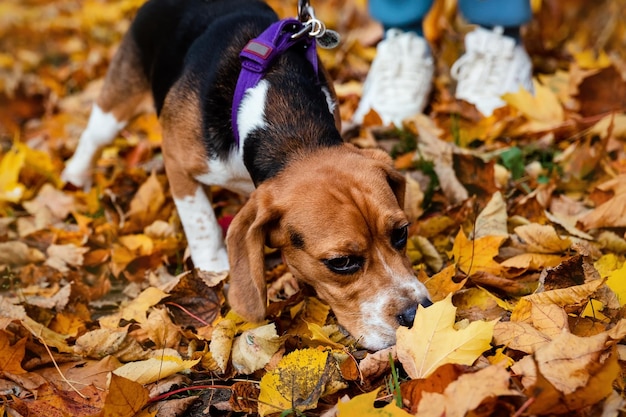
pixel 518 232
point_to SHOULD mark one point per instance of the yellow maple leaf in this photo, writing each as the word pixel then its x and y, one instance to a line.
pixel 299 380
pixel 363 406
pixel 10 166
pixel 477 255
pixel 433 341
pixel 441 284
pixel 542 109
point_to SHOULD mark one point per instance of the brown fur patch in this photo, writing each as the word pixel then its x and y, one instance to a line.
pixel 125 85
pixel 183 153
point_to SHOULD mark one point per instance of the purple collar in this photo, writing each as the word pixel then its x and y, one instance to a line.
pixel 259 54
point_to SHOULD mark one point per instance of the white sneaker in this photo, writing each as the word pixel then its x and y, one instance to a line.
pixel 493 64
pixel 399 80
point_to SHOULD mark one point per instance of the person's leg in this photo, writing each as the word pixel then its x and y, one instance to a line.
pixel 399 81
pixel 406 15
pixel 494 62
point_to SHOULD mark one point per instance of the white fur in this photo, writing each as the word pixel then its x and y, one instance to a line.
pixel 101 129
pixel 232 173
pixel 204 235
pixel 380 332
pixel 329 100
pixel 251 112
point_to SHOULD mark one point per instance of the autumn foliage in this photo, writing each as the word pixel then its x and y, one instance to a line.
pixel 518 231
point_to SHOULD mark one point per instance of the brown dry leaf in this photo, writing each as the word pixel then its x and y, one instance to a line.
pixel 222 341
pixel 413 389
pixel 124 398
pixel 244 397
pixel 160 329
pixel 561 297
pixel 519 336
pixel 549 319
pixel 17 253
pixel 433 341
pixel 542 239
pixel 51 401
pixel 147 202
pixel 100 343
pixel 377 363
pixel 466 393
pixel 57 301
pixel 532 261
pixel 431 148
pixel 11 356
pixel 254 348
pixel 60 257
pixel 492 220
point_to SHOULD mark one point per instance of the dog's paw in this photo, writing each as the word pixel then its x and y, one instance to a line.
pixel 77 174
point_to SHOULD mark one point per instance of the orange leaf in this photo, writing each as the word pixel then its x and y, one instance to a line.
pixel 125 397
pixel 11 356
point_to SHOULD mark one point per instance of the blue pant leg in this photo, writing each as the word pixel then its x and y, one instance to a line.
pixel 403 14
pixel 490 13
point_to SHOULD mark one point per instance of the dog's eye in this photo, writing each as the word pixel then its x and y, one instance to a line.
pixel 399 237
pixel 344 265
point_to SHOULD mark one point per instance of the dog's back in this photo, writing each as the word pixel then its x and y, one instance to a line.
pixel 165 32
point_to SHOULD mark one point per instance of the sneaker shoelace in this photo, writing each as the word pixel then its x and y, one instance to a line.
pixel 484 68
pixel 401 69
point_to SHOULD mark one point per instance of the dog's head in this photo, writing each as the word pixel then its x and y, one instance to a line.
pixel 337 217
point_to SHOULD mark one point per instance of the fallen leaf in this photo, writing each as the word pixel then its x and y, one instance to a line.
pixel 542 239
pixel 542 109
pixel 222 341
pixel 363 406
pixel 299 381
pixel 441 284
pixel 433 341
pixel 466 393
pixel 492 220
pixel 156 368
pixel 124 398
pixel 477 255
pixel 11 356
pixel 60 256
pixel 254 348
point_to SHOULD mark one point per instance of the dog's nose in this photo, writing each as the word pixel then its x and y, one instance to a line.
pixel 407 317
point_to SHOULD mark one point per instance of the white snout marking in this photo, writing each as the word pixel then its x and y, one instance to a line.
pixel 381 330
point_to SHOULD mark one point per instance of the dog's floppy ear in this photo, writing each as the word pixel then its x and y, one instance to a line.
pixel 247 294
pixel 394 178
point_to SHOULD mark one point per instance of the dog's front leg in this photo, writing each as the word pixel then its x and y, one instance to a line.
pixel 204 234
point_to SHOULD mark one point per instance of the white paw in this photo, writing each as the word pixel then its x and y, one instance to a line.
pixel 77 173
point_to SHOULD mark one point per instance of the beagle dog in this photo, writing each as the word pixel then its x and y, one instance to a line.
pixel 335 211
